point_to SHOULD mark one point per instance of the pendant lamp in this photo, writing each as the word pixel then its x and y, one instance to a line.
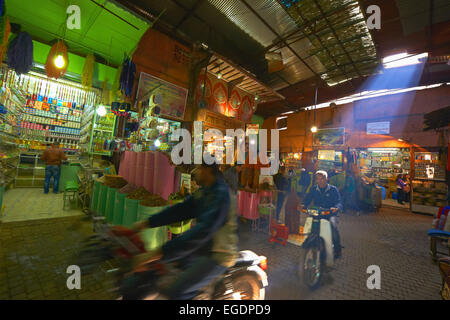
pixel 57 60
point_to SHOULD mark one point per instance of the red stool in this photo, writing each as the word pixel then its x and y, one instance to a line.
pixel 279 233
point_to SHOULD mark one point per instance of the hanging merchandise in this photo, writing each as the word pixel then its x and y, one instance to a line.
pixel 57 60
pixel 4 38
pixel 88 71
pixel 20 53
pixel 105 93
pixel 127 77
pixel 115 89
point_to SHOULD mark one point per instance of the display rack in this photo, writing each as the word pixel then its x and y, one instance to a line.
pixel 429 189
pixel 30 171
pixel 102 129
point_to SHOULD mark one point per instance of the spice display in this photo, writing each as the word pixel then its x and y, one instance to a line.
pixel 154 201
pixel 138 194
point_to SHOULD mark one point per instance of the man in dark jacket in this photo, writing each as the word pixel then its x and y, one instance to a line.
pixel 282 184
pixel 210 206
pixel 327 197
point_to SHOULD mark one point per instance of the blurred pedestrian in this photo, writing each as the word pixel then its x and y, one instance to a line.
pixel 400 189
pixel 282 184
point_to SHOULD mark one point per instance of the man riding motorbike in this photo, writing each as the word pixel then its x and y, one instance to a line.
pixel 207 249
pixel 327 197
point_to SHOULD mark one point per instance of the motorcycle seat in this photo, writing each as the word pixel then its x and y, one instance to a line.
pixel 245 258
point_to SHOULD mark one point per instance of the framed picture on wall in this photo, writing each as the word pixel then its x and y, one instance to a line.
pixel 329 137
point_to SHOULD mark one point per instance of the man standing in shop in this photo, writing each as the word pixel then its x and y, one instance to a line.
pixel 53 157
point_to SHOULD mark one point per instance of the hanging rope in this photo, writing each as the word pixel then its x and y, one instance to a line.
pixel 88 71
pixel 20 53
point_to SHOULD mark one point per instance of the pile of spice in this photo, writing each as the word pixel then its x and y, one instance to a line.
pixel 128 188
pixel 138 194
pixel 154 200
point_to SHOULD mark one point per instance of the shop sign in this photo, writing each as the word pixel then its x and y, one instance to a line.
pixel 378 127
pixel 252 129
pixel 171 98
pixel 326 155
pixel 329 137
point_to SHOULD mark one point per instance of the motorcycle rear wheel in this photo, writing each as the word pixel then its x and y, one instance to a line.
pixel 248 287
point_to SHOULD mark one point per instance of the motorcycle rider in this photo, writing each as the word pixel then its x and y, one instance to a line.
pixel 209 247
pixel 327 197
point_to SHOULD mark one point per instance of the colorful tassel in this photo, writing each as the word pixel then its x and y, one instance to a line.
pixel 59 48
pixel 127 76
pixel 105 93
pixel 4 45
pixel 116 86
pixel 88 71
pixel 20 53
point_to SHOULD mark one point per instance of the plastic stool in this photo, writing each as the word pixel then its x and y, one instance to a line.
pixel 279 233
pixel 70 193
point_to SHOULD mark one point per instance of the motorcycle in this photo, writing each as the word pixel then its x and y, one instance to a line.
pixel 318 249
pixel 117 246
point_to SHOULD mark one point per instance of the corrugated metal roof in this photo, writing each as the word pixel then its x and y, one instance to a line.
pixel 415 13
pixel 240 15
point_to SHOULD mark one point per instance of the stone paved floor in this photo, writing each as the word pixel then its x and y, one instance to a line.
pixel 23 204
pixel 34 256
pixel 395 240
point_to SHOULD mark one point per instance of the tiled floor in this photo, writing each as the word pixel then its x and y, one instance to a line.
pixel 24 204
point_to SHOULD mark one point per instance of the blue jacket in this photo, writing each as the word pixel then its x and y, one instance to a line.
pixel 209 206
pixel 328 198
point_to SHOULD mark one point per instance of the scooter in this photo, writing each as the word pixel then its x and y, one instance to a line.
pixel 246 280
pixel 318 250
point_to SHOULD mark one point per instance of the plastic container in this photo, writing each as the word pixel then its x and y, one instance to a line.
pixel 102 200
pixel 180 227
pixel 163 183
pixel 94 198
pixel 130 212
pixel 132 168
pixel 119 207
pixel 152 237
pixel 110 202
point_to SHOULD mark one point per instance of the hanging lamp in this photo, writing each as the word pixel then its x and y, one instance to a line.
pixel 57 60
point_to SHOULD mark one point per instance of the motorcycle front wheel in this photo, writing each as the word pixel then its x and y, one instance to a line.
pixel 310 268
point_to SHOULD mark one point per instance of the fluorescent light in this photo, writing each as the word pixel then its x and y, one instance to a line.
pixel 403 59
pixel 289 112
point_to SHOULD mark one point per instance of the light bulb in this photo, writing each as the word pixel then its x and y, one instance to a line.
pixel 101 111
pixel 59 61
pixel 219 76
pixel 256 98
pixel 314 129
pixel 157 143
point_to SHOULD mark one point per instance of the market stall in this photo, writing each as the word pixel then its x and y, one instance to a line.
pixel 429 188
